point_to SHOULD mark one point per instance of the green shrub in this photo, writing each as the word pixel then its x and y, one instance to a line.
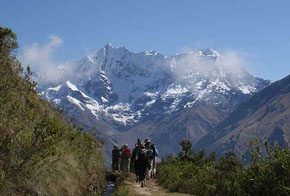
pixel 198 174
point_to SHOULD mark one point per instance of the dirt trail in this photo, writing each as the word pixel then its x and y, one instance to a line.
pixel 152 188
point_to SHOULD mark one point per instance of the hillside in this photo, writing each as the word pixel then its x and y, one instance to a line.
pixel 40 154
pixel 265 116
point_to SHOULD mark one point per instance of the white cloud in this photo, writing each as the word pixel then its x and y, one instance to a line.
pixel 195 62
pixel 40 58
pixel 233 61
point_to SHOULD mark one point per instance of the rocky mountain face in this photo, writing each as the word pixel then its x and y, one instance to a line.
pixel 266 116
pixel 127 95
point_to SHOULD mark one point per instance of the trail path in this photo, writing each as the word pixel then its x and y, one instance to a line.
pixel 152 188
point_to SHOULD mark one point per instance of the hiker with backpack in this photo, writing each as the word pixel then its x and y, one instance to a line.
pixel 142 165
pixel 135 157
pixel 116 154
pixel 126 155
pixel 150 154
pixel 155 151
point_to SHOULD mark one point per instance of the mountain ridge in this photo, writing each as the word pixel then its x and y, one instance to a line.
pixel 117 90
pixel 264 116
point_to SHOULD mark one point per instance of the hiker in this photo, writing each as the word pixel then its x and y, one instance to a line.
pixel 150 155
pixel 138 142
pixel 135 157
pixel 155 151
pixel 116 158
pixel 121 158
pixel 126 155
pixel 142 163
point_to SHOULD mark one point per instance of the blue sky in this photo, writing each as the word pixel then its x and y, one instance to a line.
pixel 259 30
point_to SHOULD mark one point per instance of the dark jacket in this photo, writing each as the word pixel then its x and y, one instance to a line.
pixel 135 153
pixel 116 154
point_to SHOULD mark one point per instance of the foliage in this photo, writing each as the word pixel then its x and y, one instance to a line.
pixel 186 151
pixel 122 192
pixel 199 174
pixel 38 149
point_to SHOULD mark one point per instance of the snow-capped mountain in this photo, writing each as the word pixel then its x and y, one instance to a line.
pixel 123 89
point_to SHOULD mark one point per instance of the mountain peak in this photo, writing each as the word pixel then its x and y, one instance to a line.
pixel 108 45
pixel 107 49
pixel 111 46
pixel 210 52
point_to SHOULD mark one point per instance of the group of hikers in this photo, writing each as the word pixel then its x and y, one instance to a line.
pixel 142 158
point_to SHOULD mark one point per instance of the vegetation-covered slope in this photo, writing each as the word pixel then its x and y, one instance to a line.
pixel 201 175
pixel 40 154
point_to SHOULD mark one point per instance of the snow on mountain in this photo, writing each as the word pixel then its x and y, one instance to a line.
pixel 122 88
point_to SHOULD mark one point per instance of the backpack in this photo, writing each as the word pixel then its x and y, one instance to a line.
pixel 141 156
pixel 143 161
pixel 150 152
pixel 127 153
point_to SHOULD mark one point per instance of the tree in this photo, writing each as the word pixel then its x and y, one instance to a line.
pixel 186 146
pixel 8 41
